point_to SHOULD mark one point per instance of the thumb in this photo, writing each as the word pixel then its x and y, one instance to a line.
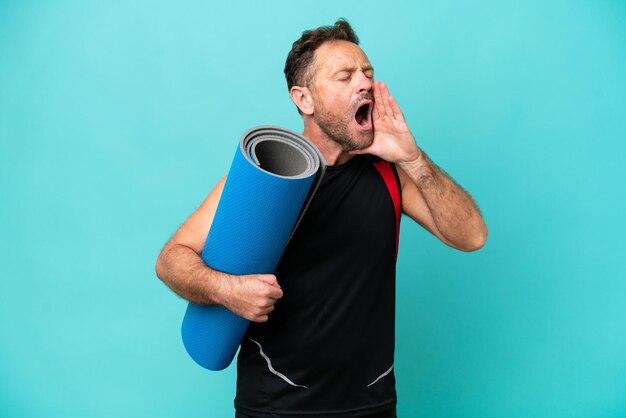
pixel 367 150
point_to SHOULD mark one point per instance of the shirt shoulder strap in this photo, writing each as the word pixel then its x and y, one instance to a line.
pixel 390 176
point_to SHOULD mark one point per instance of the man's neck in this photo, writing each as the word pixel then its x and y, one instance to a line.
pixel 332 152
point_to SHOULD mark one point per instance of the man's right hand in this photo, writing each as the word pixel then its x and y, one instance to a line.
pixel 180 267
pixel 251 296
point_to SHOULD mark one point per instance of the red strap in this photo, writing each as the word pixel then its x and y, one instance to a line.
pixel 386 171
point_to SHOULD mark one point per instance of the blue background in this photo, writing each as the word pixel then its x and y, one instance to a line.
pixel 117 118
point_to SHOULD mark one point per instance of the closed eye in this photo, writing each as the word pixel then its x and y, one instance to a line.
pixel 343 76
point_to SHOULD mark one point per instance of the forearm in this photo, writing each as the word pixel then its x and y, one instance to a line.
pixel 182 269
pixel 454 212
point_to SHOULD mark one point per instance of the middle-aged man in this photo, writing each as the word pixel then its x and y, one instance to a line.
pixel 322 341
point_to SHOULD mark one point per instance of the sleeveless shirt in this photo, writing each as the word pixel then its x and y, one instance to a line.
pixel 328 346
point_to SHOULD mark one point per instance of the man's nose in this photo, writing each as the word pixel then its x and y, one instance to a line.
pixel 365 83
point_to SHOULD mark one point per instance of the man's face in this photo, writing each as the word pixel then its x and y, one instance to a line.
pixel 342 93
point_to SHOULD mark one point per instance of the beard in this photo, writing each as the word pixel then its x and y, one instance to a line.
pixel 341 127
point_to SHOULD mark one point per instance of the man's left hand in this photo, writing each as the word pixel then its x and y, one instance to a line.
pixel 393 140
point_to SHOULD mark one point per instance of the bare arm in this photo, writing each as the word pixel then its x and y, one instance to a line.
pixel 436 202
pixel 429 196
pixel 180 267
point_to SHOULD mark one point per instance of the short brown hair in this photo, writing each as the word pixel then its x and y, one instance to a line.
pixel 297 66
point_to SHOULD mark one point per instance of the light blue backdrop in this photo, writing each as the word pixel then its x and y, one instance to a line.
pixel 116 119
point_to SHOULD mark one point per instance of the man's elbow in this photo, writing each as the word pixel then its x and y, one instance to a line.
pixel 159 266
pixel 476 241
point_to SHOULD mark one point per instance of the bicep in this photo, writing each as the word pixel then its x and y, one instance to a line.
pixel 414 205
pixel 193 232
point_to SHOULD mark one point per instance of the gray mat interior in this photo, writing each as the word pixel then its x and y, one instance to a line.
pixel 280 158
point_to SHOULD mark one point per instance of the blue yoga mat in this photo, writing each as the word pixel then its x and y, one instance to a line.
pixel 272 179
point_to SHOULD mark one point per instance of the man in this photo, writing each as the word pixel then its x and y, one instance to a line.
pixel 322 341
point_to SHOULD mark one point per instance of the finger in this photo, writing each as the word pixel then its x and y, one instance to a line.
pixel 266 308
pixel 261 318
pixel 379 107
pixel 385 96
pixel 275 292
pixel 269 279
pixel 259 312
pixel 395 108
pixel 369 150
pixel 358 151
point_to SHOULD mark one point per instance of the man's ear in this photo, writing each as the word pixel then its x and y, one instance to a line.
pixel 302 97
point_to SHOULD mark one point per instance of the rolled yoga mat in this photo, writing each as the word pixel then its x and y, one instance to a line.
pixel 273 177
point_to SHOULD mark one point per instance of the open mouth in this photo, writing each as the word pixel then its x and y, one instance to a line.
pixel 363 114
